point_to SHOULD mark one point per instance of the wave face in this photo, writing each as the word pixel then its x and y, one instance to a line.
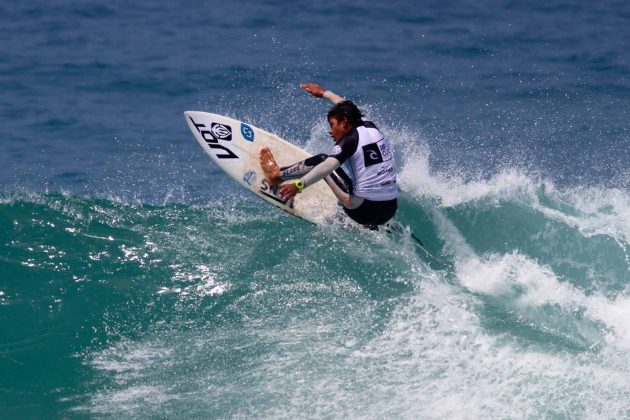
pixel 231 309
pixel 139 281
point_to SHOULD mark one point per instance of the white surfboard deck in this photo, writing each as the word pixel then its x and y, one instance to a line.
pixel 234 146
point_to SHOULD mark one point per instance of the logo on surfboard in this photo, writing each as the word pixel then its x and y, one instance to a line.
pixel 221 132
pixel 247 132
pixel 249 178
pixel 213 135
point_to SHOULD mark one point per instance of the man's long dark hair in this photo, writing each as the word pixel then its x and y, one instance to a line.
pixel 347 109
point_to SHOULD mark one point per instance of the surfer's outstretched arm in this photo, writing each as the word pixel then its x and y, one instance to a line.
pixel 320 92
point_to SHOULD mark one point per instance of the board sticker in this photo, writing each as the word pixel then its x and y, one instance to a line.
pixel 247 132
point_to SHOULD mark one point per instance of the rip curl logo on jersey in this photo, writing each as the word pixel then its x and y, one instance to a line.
pixel 385 152
pixel 372 154
pixel 247 132
pixel 221 131
pixel 212 139
pixel 336 150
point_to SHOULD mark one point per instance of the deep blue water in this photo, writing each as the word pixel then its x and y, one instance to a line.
pixel 137 280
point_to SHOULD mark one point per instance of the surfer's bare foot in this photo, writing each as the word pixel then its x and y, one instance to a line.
pixel 269 166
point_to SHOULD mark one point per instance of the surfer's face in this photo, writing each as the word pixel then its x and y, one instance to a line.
pixel 338 129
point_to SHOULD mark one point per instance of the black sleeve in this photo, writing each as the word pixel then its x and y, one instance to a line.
pixel 346 147
pixel 367 123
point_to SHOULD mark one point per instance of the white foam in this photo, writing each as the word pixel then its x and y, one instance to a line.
pixel 130 401
pixel 521 284
pixel 595 211
pixel 440 363
pixel 130 366
pixel 436 360
pixel 126 357
pixel 417 178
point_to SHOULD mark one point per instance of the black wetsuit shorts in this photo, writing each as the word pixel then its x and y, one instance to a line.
pixel 373 212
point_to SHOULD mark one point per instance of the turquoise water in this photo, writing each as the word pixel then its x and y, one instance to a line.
pixel 229 309
pixel 139 281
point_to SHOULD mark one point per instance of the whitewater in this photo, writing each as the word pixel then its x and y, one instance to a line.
pixel 137 280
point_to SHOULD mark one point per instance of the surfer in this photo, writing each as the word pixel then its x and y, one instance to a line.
pixel 369 195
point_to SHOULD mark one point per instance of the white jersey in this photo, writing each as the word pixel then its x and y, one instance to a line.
pixel 371 162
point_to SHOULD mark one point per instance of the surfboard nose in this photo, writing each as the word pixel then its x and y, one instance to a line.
pixel 188 117
pixel 191 116
pixel 194 113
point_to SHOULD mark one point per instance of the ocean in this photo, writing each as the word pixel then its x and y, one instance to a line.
pixel 137 280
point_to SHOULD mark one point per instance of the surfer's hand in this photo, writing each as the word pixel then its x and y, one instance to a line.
pixel 288 191
pixel 314 89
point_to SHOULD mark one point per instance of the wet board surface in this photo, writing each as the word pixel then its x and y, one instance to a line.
pixel 234 146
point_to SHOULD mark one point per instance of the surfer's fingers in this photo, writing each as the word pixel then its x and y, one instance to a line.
pixel 288 191
pixel 313 88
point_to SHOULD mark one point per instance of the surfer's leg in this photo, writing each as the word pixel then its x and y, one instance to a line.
pixel 269 167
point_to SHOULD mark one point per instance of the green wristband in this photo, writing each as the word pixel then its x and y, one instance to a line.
pixel 299 184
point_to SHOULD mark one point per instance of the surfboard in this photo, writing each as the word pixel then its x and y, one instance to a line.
pixel 234 146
